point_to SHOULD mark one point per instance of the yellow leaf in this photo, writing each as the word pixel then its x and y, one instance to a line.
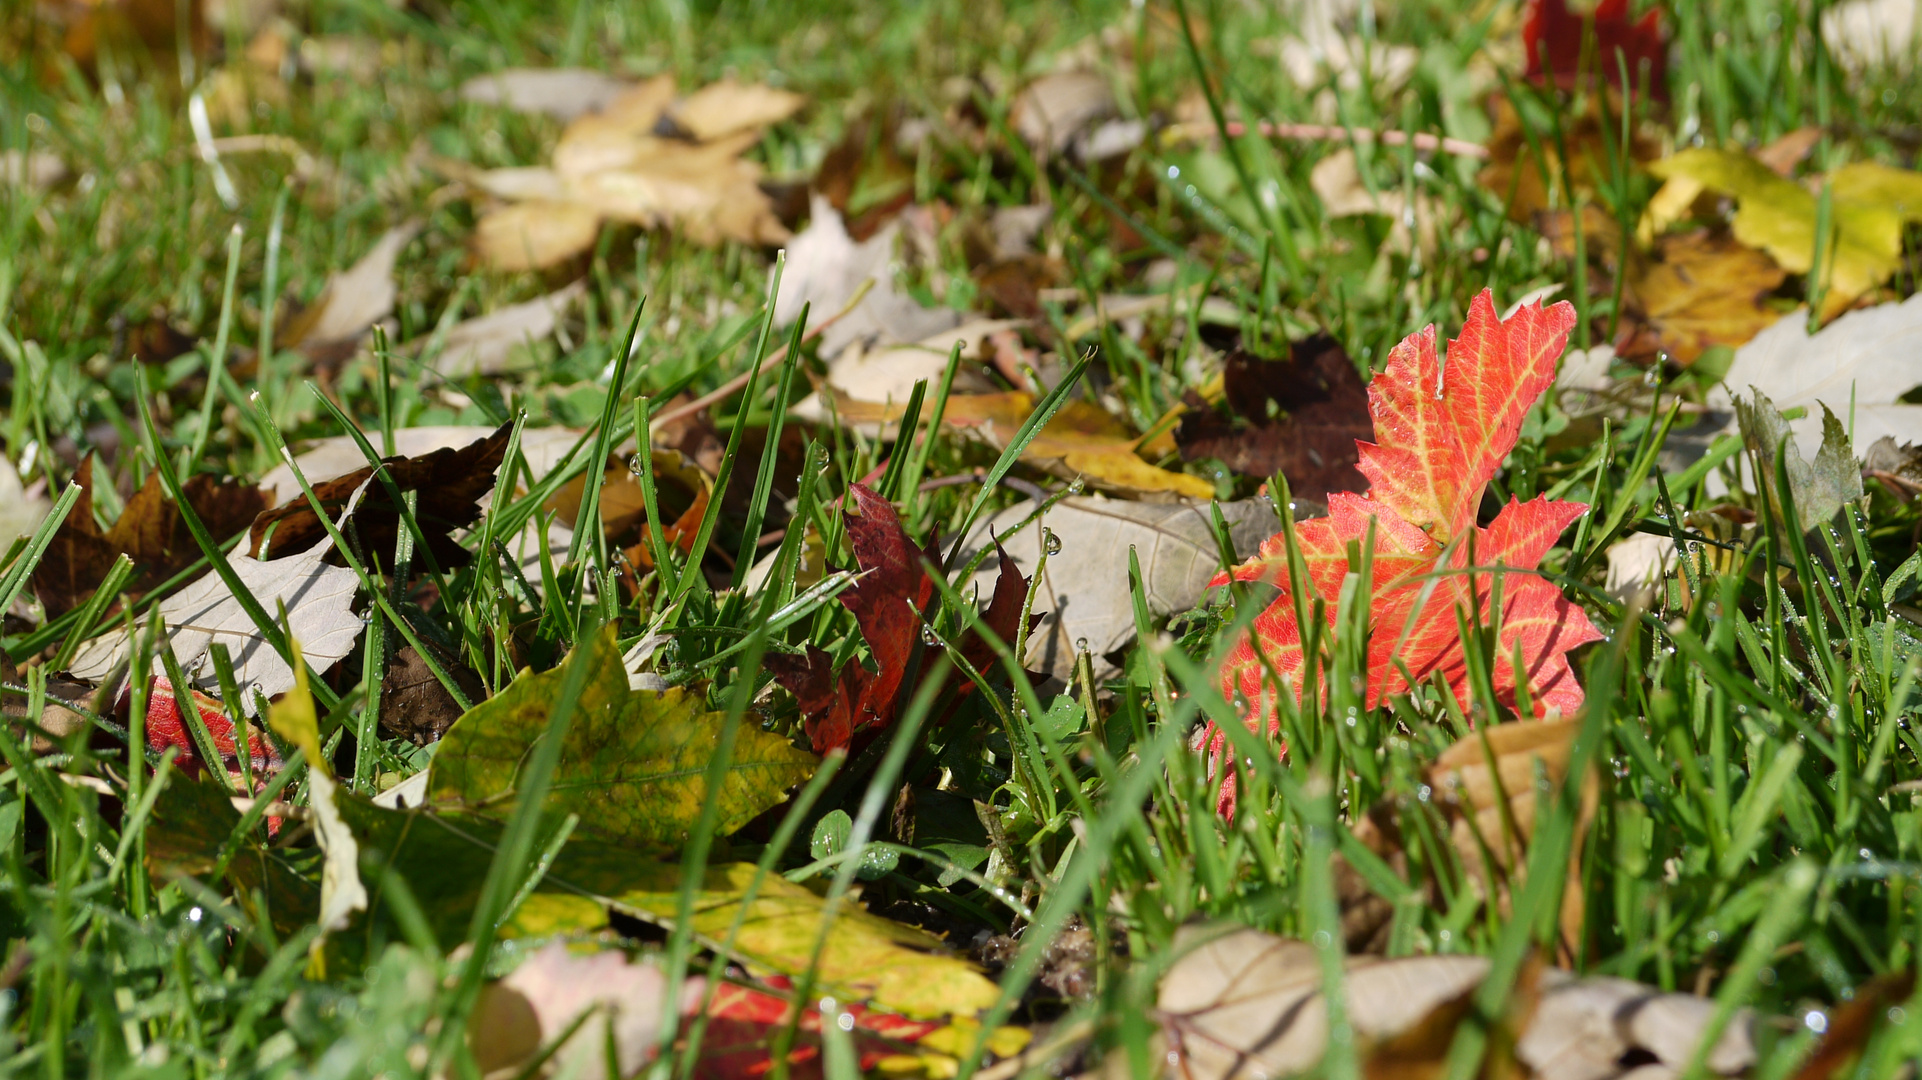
pixel 1868 205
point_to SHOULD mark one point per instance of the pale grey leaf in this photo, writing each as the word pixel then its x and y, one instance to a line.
pixel 562 93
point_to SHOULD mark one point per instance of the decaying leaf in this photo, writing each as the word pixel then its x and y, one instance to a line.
pixel 334 457
pixel 1433 459
pixel 611 165
pixel 1337 182
pixel 535 1004
pixel 449 484
pixel 633 763
pixel 1859 366
pixel 318 598
pixel 413 703
pixel 1301 417
pixel 1085 589
pixel 1869 206
pixel 483 345
pixel 150 530
pixel 1240 1004
pixel 1821 488
pixel 827 268
pixel 354 299
pixel 1051 112
pixel 562 93
pixel 888 603
pixel 1698 290
pixel 341 892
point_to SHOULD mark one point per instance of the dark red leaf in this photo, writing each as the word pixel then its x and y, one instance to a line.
pixel 1300 417
pixel 1551 30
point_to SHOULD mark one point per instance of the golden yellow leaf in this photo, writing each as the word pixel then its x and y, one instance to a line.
pixel 1868 206
pixel 537 234
pixel 1701 289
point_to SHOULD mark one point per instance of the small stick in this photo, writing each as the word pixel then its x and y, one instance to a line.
pixel 733 385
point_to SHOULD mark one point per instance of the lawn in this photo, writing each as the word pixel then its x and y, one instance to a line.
pixel 1179 538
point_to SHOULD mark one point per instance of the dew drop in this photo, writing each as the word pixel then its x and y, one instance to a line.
pixel 1080 644
pixel 1051 541
pixel 635 465
pixel 928 636
pixel 1077 486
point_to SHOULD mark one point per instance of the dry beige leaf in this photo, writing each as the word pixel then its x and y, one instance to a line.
pixel 39 169
pixel 1084 589
pixel 542 998
pixel 726 107
pixel 1336 180
pixel 1052 111
pixel 1870 33
pixel 535 235
pixel 887 373
pixel 1239 1003
pixel 19 513
pixel 563 93
pixel 319 601
pixel 518 184
pixel 355 299
pixel 826 268
pixel 482 345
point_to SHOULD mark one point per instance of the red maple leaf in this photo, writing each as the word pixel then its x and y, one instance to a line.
pixel 167 727
pixel 1441 435
pixel 1551 30
pixel 888 603
pixel 743 1022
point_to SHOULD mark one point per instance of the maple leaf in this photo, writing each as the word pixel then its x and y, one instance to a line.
pixel 167 726
pixel 1550 29
pixel 1441 435
pixel 888 602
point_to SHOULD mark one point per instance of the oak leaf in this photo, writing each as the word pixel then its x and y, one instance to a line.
pixel 1440 440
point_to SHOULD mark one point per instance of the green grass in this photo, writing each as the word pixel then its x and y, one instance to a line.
pixel 1758 836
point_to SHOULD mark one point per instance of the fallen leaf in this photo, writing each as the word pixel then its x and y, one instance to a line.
pixel 827 268
pixel 1859 366
pixel 1053 110
pixel 1240 1003
pixel 1428 470
pixel 541 999
pixel 562 93
pixel 1555 36
pixel 21 513
pixel 35 170
pixel 150 530
pixel 1699 289
pixel 1084 589
pixel 341 893
pixel 413 703
pixel 318 598
pixel 1863 34
pixel 353 300
pixel 633 763
pixel 449 484
pixel 610 165
pixel 483 345
pixel 1638 563
pixel 884 373
pixel 888 603
pixel 1821 488
pixel 865 958
pixel 127 28
pixel 193 822
pixel 1869 206
pixel 744 1020
pixel 1336 180
pixel 536 234
pixel 338 455
pixel 725 108
pixel 167 727
pixel 1301 416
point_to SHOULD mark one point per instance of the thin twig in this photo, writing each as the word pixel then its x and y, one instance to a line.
pixel 733 385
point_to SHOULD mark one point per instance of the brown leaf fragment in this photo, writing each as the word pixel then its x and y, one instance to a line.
pixel 354 299
pixel 1788 151
pixel 149 530
pixel 1699 289
pixel 1516 169
pixel 413 703
pixel 450 484
pixel 1300 417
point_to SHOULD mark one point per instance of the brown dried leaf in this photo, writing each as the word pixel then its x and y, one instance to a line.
pixel 413 703
pixel 1515 170
pixel 725 108
pixel 354 299
pixel 1699 289
pixel 1299 417
pixel 149 530
pixel 450 484
pixel 536 234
